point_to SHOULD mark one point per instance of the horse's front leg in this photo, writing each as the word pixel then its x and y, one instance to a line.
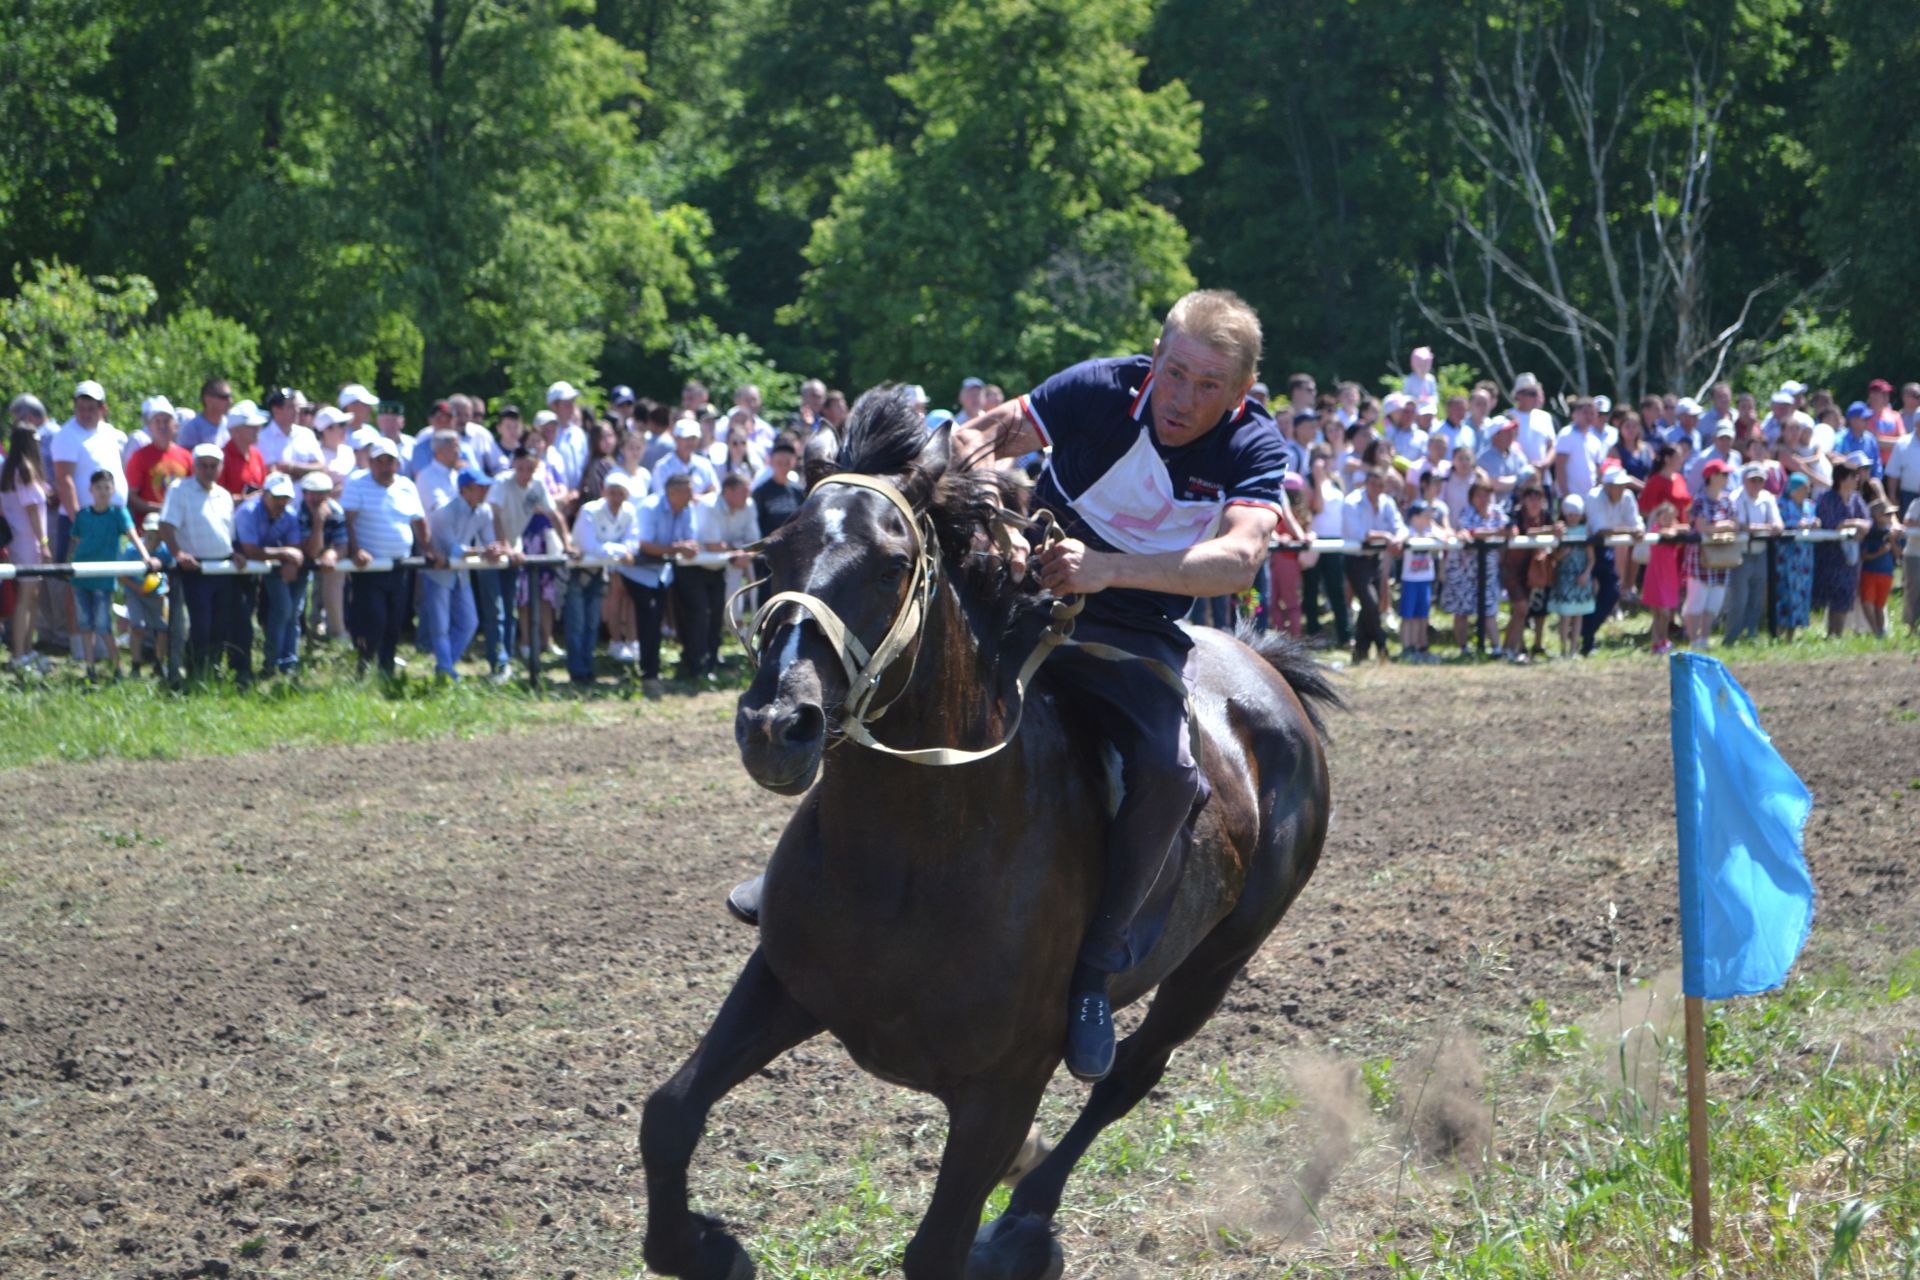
pixel 758 1022
pixel 987 1121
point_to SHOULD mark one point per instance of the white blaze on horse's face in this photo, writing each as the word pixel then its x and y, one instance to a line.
pixel 836 521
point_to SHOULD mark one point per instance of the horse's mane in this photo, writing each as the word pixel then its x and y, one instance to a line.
pixel 885 435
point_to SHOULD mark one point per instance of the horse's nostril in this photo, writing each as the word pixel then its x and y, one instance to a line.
pixel 803 727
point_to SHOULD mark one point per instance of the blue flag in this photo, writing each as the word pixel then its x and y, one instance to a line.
pixel 1746 899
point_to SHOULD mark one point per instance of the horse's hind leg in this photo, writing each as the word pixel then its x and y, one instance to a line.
pixel 757 1023
pixel 1184 1003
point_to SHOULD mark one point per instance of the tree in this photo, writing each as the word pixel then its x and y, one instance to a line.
pixel 57 128
pixel 61 325
pixel 1017 230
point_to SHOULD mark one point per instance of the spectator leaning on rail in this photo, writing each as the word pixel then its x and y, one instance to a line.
pixel 267 528
pixel 687 460
pixel 700 593
pixel 1754 511
pixel 196 524
pixel 384 522
pixel 607 528
pixel 323 540
pixel 666 522
pixel 1611 508
pixel 460 527
pixel 516 498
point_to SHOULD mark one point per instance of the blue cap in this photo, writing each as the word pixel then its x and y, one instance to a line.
pixel 469 475
pixel 938 419
pixel 967 384
pixel 1858 409
pixel 622 392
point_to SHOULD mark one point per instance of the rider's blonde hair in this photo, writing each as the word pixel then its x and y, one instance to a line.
pixel 1223 321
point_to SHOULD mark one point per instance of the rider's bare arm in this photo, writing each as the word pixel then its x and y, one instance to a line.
pixel 1222 565
pixel 1003 432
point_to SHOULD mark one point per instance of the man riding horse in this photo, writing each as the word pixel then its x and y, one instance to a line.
pixel 1167 479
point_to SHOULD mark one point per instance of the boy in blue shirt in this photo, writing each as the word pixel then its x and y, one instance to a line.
pixel 97 531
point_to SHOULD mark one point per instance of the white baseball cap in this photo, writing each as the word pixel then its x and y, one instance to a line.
pixel 1793 388
pixel 619 478
pixel 154 405
pixel 686 429
pixel 208 451
pixel 365 438
pixel 328 416
pixel 1782 396
pixel 383 448
pixel 245 414
pixel 1689 407
pixel 1395 402
pixel 918 394
pixel 1427 407
pixel 91 390
pixel 317 482
pixel 545 416
pixel 354 393
pixel 561 391
pixel 1603 404
pixel 279 485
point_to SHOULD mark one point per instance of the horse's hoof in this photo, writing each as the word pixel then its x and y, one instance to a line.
pixel 1022 1248
pixel 716 1255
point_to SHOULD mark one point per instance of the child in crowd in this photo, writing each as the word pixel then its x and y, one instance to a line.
pixel 1417 572
pixel 1660 585
pixel 1876 568
pixel 97 531
pixel 147 604
pixel 1572 597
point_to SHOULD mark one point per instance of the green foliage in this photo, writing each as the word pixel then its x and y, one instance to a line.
pixel 1545 1041
pixel 1015 232
pixel 60 326
pixel 724 361
pixel 1816 350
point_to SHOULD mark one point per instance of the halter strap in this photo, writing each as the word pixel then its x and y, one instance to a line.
pixel 865 669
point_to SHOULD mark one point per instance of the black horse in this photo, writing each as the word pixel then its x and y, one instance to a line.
pixel 929 917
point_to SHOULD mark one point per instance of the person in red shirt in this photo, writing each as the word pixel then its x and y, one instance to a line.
pixel 1887 423
pixel 157 464
pixel 243 468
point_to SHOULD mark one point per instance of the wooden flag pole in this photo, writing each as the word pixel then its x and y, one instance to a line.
pixel 1698 1176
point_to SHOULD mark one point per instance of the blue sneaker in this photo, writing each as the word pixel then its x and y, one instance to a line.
pixel 1089 1028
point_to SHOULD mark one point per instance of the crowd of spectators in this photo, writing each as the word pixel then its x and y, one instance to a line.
pixel 600 533
pixel 1710 495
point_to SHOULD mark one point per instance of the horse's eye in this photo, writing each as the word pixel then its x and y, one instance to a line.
pixel 893 570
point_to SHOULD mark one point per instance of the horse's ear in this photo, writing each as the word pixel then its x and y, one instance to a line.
pixel 819 461
pixel 936 452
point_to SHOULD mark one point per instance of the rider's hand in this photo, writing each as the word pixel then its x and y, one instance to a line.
pixel 1018 550
pixel 1069 568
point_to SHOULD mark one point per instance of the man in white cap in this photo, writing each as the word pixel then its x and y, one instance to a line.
pixel 1534 433
pixel 1611 508
pixel 323 541
pixel 1579 451
pixel 196 525
pixel 439 480
pixel 267 528
pixel 359 404
pixel 1782 417
pixel 86 443
pixel 1721 449
pixel 244 468
pixel 384 522
pixel 462 526
pixel 686 460
pixel 1403 436
pixel 569 437
pixel 1687 426
pixel 160 463
pixel 1754 511
pixel 607 528
pixel 1502 460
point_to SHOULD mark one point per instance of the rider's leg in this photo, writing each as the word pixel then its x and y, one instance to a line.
pixel 1146 722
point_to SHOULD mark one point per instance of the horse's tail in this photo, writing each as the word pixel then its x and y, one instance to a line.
pixel 1311 681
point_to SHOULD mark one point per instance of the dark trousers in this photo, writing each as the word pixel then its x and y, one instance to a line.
pixel 580 621
pixel 1147 724
pixel 217 624
pixel 649 613
pixel 699 603
pixel 1363 575
pixel 1606 596
pixel 376 611
pixel 1328 576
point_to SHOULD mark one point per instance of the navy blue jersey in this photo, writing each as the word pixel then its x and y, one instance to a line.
pixel 1117 488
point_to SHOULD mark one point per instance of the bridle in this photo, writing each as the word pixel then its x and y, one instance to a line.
pixel 865 668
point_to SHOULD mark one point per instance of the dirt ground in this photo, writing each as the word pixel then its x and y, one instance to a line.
pixel 393 1011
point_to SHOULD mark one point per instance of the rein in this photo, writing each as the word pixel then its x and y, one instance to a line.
pixel 866 668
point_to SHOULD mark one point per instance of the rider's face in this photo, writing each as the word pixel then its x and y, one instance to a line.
pixel 1194 387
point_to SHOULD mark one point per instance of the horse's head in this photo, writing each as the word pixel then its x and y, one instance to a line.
pixel 849 579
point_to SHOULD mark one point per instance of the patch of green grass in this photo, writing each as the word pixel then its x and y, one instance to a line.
pixel 1815 1159
pixel 65 718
